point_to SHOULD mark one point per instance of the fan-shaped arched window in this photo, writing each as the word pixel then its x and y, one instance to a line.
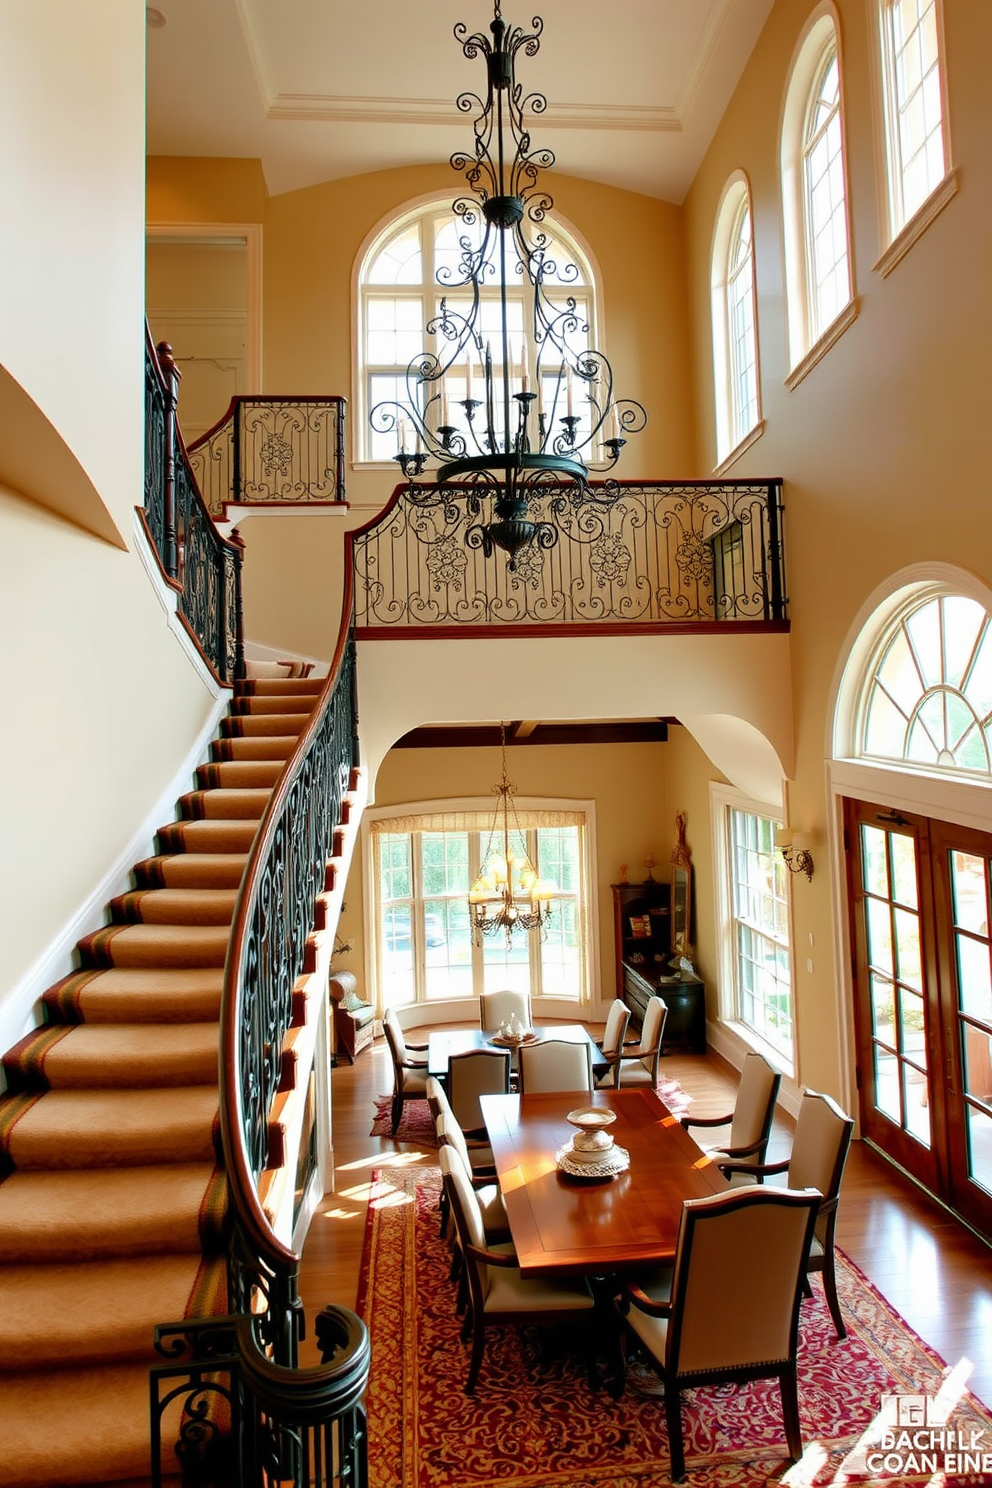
pixel 414 261
pixel 928 699
pixel 735 344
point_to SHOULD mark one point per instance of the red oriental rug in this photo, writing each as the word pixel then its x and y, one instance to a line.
pixel 416 1124
pixel 534 1420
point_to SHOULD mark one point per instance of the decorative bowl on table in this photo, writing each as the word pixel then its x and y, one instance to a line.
pixel 505 1040
pixel 592 1151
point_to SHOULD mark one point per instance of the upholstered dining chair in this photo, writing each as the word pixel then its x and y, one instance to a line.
pixel 499 1007
pixel 733 1310
pixel 611 1044
pixel 639 1059
pixel 497 1293
pixel 819 1154
pixel 487 1192
pixel 750 1121
pixel 474 1073
pixel 409 1066
pixel 552 1065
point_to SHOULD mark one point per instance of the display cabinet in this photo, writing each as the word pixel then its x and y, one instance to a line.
pixel 643 933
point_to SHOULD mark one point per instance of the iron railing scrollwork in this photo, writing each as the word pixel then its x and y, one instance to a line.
pixel 203 567
pixel 236 1419
pixel 639 553
pixel 272 452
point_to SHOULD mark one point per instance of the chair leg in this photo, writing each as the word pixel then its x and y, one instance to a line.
pixel 833 1301
pixel 478 1344
pixel 790 1410
pixel 397 1112
pixel 673 1416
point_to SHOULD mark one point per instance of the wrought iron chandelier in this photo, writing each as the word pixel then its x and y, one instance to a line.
pixel 514 444
pixel 507 895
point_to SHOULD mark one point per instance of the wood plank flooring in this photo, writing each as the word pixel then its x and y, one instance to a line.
pixel 932 1269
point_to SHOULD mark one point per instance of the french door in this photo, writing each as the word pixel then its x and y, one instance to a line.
pixel 921 902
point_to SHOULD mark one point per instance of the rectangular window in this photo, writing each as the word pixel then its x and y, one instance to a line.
pixel 426 951
pixel 913 105
pixel 759 930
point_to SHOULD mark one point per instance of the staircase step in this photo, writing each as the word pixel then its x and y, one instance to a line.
pixel 55 1424
pixel 277 724
pixel 72 1129
pixel 125 995
pixel 192 870
pixel 256 703
pixel 267 747
pixel 207 836
pixel 155 946
pixel 105 1310
pixel 239 774
pixel 280 687
pixel 88 1215
pixel 224 804
pixel 114 1057
pixel 174 907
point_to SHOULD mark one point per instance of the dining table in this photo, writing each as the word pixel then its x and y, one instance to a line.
pixel 444 1042
pixel 569 1226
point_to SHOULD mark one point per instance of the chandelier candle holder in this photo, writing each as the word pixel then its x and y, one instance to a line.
pixel 514 444
pixel 508 894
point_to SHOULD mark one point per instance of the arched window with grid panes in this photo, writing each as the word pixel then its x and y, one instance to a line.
pixel 914 88
pixel 408 266
pixel 735 341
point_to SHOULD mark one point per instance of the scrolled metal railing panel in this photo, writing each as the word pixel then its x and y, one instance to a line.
pixel 639 552
pixel 155 414
pixel 273 452
pixel 209 573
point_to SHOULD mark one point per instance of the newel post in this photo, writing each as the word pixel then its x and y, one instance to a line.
pixel 171 376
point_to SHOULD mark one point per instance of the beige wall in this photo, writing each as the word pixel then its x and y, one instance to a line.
pixel 883 444
pixel 627 782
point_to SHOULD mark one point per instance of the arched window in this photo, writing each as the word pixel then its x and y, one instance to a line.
pixel 406 269
pixel 814 191
pixel 735 345
pixel 913 89
pixel 927 701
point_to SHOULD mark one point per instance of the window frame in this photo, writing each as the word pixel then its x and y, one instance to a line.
pixel 723 801
pixel 431 210
pixel 732 435
pixel 808 339
pixel 586 916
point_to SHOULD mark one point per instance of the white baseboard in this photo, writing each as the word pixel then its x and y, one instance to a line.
pixel 21 1010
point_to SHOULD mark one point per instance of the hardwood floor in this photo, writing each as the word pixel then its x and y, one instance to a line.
pixel 933 1270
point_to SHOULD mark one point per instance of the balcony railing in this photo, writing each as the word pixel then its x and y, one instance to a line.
pixel 272 452
pixel 201 566
pixel 649 554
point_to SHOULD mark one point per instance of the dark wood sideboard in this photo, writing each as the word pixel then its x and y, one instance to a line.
pixel 642 927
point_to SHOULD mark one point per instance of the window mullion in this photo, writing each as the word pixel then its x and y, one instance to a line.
pixel 417 918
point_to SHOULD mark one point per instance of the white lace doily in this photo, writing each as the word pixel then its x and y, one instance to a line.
pixel 615 1160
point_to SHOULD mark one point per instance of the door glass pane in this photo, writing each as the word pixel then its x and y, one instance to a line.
pixel 904 888
pixel 873 860
pixel 883 1014
pixel 917 1098
pixel 887 1084
pixel 879 935
pixel 907 928
pixel 911 1030
pixel 978 1062
pixel 974 977
pixel 980 1148
pixel 968 891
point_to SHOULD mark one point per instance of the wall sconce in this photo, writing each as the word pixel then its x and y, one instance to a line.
pixel 795 849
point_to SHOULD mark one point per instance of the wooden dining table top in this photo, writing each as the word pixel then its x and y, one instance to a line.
pixel 444 1042
pixel 573 1226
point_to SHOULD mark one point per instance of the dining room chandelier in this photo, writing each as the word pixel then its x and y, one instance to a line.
pixel 539 411
pixel 507 894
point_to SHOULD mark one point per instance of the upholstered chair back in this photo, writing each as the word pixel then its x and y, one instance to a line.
pixel 499 1007
pixel 755 1105
pixel 395 1038
pixel 819 1150
pixel 616 1028
pixel 739 1264
pixel 437 1099
pixel 449 1132
pixel 465 1207
pixel 652 1028
pixel 554 1065
pixel 477 1072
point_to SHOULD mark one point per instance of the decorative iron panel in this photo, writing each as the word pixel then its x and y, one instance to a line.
pixel 155 413
pixel 273 451
pixel 640 552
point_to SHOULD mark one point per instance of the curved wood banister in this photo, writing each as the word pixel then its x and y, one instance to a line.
pixel 260 1246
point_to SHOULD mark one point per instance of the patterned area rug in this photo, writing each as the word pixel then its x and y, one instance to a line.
pixel 416 1125
pixel 534 1420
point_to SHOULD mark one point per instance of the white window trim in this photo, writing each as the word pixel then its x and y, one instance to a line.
pixel 729 1037
pixel 392 221
pixel 822 27
pixel 901 238
pixel 584 1007
pixel 738 188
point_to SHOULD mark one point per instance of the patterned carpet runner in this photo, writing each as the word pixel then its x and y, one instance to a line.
pixel 112 1204
pixel 534 1421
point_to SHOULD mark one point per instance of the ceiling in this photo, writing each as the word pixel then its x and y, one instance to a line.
pixel 322 89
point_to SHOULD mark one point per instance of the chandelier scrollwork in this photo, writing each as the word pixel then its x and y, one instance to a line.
pixel 508 894
pixel 508 436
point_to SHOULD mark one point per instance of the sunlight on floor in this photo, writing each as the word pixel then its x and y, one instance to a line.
pixel 381 1160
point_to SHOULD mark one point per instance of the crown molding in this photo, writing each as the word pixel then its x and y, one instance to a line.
pixel 324 108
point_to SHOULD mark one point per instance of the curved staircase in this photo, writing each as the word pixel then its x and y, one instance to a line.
pixel 112 1200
